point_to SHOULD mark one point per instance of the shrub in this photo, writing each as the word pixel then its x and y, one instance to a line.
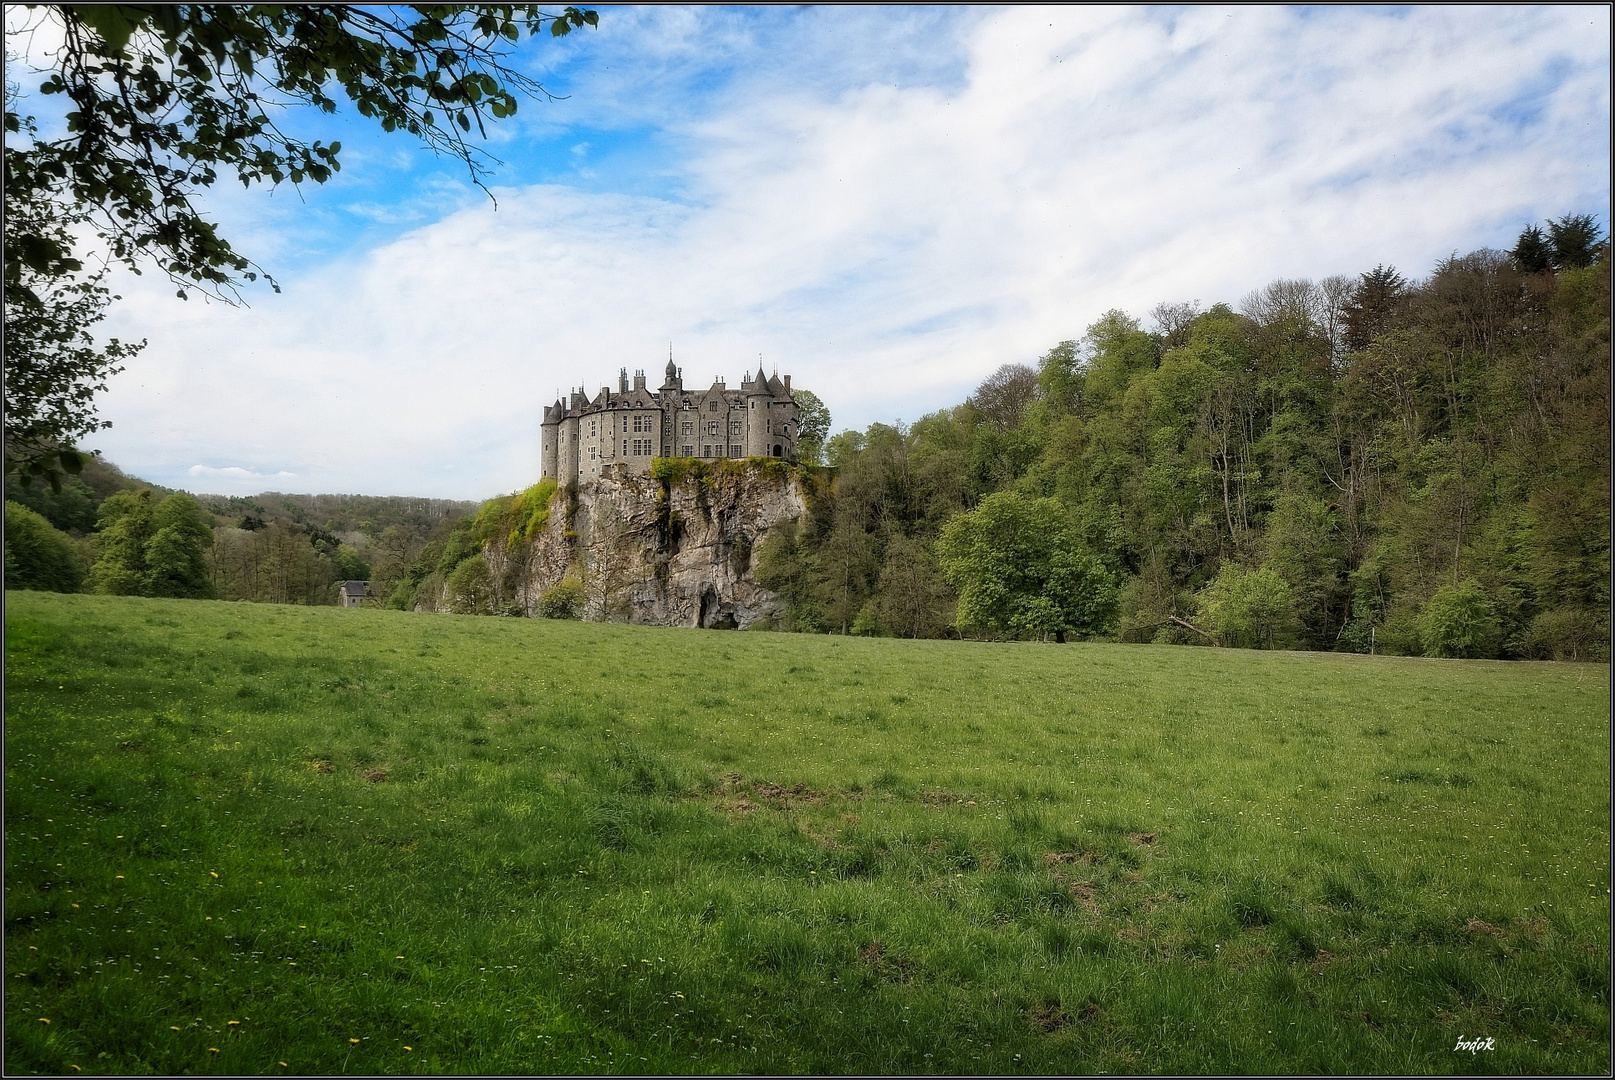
pixel 867 624
pixel 1250 609
pixel 470 588
pixel 38 555
pixel 563 600
pixel 1399 635
pixel 1568 633
pixel 1460 621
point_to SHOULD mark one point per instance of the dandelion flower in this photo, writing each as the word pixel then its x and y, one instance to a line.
pixel 233 1022
pixel 75 1067
pixel 283 1063
pixel 409 1048
pixel 173 1027
pixel 214 873
pixel 398 957
pixel 353 1040
pixel 213 1049
pixel 44 1019
pixel 120 877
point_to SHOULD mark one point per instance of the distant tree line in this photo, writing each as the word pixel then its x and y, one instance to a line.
pixel 103 531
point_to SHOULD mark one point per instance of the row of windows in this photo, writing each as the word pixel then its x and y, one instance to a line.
pixel 687 429
pixel 647 448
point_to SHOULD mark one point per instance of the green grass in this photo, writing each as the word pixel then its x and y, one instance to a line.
pixel 499 845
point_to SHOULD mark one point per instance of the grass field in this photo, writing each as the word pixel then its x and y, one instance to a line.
pixel 245 838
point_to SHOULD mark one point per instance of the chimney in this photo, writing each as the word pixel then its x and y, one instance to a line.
pixel 577 399
pixel 622 380
pixel 639 379
pixel 787 384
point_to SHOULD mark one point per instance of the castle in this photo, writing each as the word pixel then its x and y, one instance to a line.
pixel 632 426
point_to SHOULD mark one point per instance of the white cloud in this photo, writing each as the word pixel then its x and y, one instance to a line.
pixel 234 474
pixel 890 240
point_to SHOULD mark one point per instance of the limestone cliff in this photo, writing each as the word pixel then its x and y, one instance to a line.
pixel 674 551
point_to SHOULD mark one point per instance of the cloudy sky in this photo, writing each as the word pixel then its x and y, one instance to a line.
pixel 886 204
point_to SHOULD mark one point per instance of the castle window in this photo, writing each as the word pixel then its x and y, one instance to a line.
pixel 625 448
pixel 734 451
pixel 714 406
pixel 689 451
pixel 712 427
pixel 689 428
pixel 734 427
pixel 771 427
pixel 706 451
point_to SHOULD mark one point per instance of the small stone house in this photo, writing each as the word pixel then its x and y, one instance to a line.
pixel 352 593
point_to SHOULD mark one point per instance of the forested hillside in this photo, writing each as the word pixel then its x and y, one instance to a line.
pixel 1415 467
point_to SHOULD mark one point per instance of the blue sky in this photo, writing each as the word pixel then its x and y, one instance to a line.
pixel 886 203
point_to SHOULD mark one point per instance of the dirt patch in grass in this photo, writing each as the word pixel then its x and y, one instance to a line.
pixel 376 775
pixel 319 765
pixel 1048 1017
pixel 796 795
pixel 738 794
pixel 1143 839
pixel 1062 858
pixel 889 965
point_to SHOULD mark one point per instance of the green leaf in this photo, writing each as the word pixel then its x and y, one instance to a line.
pixel 114 24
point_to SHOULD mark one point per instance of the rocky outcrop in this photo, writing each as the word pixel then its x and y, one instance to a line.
pixel 671 551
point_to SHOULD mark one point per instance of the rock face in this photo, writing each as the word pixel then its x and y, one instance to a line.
pixel 673 552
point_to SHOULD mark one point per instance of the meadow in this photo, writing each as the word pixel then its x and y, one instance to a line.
pixel 269 839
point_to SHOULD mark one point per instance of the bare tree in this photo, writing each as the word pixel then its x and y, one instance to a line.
pixel 1172 321
pixel 1297 299
pixel 1004 395
pixel 1336 292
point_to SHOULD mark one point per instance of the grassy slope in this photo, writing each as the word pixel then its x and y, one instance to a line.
pixel 512 845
